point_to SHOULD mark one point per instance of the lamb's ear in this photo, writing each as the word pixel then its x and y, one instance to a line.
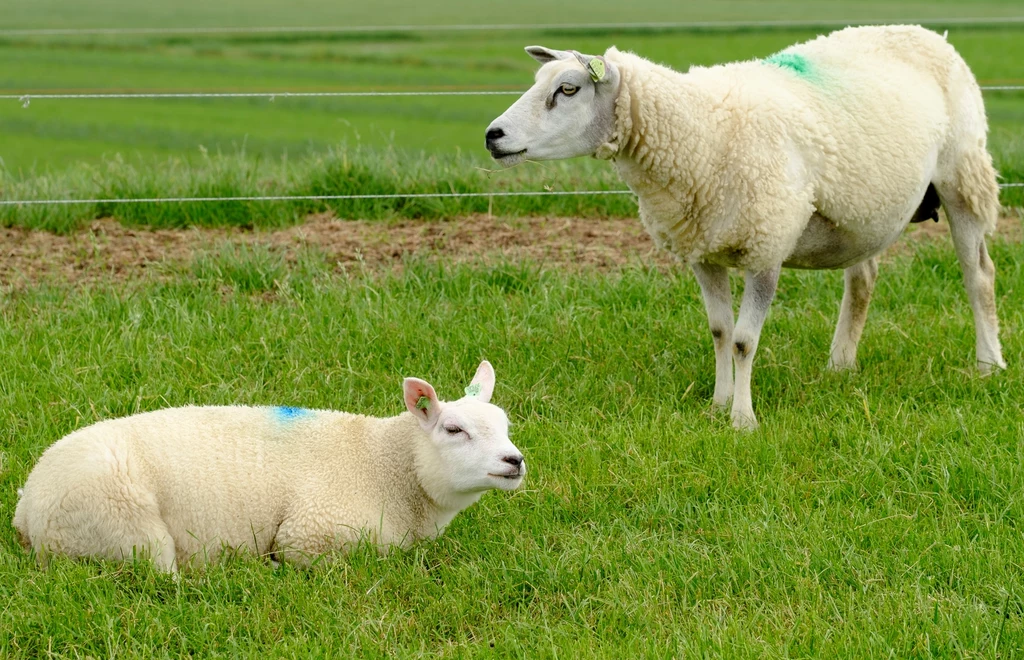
pixel 545 55
pixel 421 400
pixel 482 385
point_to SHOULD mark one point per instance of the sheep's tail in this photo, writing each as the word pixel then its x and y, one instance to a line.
pixel 972 175
pixel 978 187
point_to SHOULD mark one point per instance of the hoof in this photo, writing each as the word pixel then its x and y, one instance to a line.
pixel 838 364
pixel 744 421
pixel 989 368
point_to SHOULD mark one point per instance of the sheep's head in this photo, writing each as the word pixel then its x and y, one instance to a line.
pixel 472 452
pixel 569 111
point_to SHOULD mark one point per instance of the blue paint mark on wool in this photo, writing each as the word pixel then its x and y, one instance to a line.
pixel 288 413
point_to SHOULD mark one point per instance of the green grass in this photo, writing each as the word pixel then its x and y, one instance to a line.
pixel 875 513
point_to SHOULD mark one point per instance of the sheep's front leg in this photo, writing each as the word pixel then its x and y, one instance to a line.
pixel 714 284
pixel 853 313
pixel 758 292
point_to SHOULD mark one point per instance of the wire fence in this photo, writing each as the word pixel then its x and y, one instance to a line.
pixel 304 198
pixel 26 99
pixel 511 27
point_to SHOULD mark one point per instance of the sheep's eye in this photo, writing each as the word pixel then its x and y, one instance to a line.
pixel 568 89
pixel 452 430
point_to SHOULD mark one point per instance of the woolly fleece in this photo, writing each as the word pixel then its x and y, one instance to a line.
pixel 732 162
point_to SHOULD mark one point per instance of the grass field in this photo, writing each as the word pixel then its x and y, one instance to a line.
pixel 874 514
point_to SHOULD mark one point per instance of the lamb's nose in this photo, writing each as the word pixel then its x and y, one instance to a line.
pixel 514 461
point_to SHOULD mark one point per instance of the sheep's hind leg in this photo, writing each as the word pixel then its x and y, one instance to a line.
pixel 853 313
pixel 140 535
pixel 758 292
pixel 112 518
pixel 979 272
pixel 714 284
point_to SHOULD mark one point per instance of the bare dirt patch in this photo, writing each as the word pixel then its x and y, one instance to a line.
pixel 108 250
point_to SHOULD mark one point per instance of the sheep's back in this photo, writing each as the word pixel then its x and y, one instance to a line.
pixel 219 474
pixel 882 98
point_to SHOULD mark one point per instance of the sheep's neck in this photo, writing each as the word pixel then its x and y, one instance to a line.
pixel 435 503
pixel 665 153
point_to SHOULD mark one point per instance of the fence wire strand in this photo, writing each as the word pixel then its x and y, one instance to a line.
pixel 301 198
pixel 25 99
pixel 304 198
pixel 510 27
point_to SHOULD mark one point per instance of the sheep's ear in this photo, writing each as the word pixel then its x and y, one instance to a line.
pixel 595 66
pixel 482 385
pixel 421 400
pixel 545 55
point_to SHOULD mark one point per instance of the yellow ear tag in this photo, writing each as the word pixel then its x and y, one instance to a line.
pixel 423 403
pixel 473 390
pixel 597 71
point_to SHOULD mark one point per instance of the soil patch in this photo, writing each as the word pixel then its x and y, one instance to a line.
pixel 108 250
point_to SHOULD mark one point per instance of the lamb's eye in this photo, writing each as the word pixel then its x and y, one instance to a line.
pixel 452 429
pixel 568 89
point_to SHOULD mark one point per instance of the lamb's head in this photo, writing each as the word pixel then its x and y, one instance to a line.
pixel 569 111
pixel 470 451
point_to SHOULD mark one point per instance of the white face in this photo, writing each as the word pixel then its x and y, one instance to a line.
pixel 472 441
pixel 470 435
pixel 565 114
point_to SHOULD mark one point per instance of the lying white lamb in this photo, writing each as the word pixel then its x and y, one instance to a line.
pixel 816 157
pixel 182 484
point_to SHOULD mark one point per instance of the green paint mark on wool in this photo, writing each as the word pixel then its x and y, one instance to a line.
pixel 796 63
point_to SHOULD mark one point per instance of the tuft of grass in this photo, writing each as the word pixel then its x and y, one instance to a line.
pixel 875 513
pixel 246 268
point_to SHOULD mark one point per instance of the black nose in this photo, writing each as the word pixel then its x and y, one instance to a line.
pixel 514 461
pixel 493 135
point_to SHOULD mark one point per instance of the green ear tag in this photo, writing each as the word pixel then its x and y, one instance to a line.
pixel 423 403
pixel 473 390
pixel 597 71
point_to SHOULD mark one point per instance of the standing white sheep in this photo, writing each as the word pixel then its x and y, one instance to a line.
pixel 182 484
pixel 817 157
